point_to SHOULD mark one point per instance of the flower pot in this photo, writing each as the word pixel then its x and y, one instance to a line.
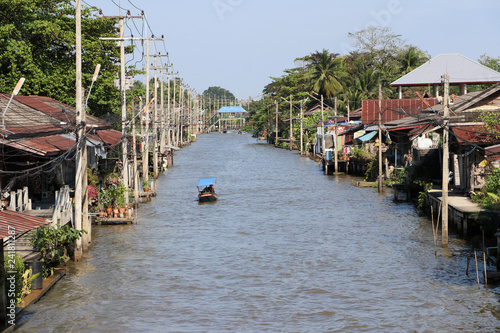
pixel 122 212
pixel 115 212
pixel 109 210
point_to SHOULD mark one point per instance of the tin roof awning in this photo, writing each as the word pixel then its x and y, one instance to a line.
pixel 18 223
pixel 367 137
pixel 45 146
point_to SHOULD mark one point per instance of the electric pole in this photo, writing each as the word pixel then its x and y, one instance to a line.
pixel 446 153
pixel 123 96
pixel 380 174
pixel 301 128
pixel 79 131
pixel 276 138
pixel 291 128
pixel 155 115
pixel 335 137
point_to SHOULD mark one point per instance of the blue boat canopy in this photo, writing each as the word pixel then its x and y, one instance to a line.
pixel 206 181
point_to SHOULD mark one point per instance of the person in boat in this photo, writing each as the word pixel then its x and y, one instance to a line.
pixel 208 189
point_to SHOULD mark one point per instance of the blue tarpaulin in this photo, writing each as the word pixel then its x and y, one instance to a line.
pixel 206 181
pixel 368 136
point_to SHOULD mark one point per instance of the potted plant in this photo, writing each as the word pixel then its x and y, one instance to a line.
pixel 120 202
pixel 145 185
pixel 105 200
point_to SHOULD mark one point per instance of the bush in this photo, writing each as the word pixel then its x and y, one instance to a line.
pixel 361 153
pixel 397 177
pixel 489 196
pixel 14 263
pixel 53 244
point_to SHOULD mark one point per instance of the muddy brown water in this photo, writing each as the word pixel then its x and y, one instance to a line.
pixel 284 249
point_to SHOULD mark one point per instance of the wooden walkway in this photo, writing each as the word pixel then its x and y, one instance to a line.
pixel 462 212
pixel 112 220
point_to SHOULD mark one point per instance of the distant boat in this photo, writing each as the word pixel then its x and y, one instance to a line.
pixel 206 190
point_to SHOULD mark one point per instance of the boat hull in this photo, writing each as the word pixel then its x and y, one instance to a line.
pixel 207 197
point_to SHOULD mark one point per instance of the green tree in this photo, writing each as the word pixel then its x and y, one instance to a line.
pixel 219 93
pixel 37 42
pixel 493 63
pixel 411 57
pixel 325 73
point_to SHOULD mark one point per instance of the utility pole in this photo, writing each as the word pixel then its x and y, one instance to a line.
pixel 79 131
pixel 136 169
pixel 123 96
pixel 155 125
pixel 145 155
pixel 380 174
pixel 323 144
pixel 301 128
pixel 291 128
pixel 335 137
pixel 145 149
pixel 446 153
pixel 276 138
pixel 155 115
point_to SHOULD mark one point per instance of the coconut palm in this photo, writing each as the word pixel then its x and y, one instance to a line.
pixel 411 58
pixel 325 73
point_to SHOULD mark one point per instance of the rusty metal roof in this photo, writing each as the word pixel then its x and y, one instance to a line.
pixel 36 115
pixel 110 137
pixel 18 223
pixel 475 134
pixel 393 109
pixel 493 153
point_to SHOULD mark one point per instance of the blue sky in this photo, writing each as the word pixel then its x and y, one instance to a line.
pixel 240 44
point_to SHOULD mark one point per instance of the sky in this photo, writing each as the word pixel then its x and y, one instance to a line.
pixel 240 44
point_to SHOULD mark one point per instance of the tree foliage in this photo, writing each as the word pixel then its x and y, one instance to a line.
pixel 37 42
pixel 219 93
pixel 325 71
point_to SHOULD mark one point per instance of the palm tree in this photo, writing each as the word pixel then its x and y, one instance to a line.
pixel 411 58
pixel 325 72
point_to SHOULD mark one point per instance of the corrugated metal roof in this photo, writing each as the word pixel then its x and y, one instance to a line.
pixel 18 223
pixel 110 137
pixel 45 146
pixel 473 134
pixel 461 70
pixel 393 109
pixel 493 153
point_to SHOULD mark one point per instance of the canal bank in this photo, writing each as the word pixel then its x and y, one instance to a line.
pixel 283 249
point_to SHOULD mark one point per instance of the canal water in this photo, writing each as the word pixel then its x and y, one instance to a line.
pixel 284 249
